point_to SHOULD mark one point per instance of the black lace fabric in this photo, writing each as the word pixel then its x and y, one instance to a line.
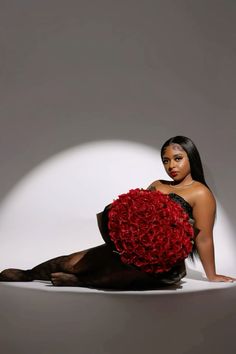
pixel 185 205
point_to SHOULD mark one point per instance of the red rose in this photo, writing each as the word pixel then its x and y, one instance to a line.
pixel 150 230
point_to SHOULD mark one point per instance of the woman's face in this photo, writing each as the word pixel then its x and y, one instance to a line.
pixel 176 162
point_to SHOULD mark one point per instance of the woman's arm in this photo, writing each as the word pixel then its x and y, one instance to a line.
pixel 204 210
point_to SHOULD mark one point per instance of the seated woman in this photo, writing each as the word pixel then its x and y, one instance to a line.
pixel 103 267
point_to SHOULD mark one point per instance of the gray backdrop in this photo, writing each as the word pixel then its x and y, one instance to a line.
pixel 80 71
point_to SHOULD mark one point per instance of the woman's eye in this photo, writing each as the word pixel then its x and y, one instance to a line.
pixel 178 158
pixel 164 162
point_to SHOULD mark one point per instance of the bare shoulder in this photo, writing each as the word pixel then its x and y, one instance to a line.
pixel 157 184
pixel 203 195
pixel 160 185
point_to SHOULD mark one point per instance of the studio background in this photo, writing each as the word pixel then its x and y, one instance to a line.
pixel 79 72
pixel 83 71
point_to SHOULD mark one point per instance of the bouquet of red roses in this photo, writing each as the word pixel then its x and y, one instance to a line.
pixel 150 230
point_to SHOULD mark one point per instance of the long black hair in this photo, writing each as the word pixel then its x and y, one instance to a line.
pixel 193 155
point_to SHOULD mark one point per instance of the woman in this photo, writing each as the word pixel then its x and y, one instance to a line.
pixel 101 267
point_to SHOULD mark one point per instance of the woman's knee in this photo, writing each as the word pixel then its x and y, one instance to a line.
pixel 71 262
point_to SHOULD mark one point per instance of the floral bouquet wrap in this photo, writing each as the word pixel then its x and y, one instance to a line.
pixel 150 230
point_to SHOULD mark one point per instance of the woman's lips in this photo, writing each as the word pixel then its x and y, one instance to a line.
pixel 173 174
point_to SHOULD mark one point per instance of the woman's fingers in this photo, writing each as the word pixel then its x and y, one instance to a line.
pixel 222 278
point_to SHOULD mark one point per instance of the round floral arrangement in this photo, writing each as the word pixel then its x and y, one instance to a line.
pixel 150 230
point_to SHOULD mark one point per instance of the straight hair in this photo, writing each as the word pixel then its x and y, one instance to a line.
pixel 189 147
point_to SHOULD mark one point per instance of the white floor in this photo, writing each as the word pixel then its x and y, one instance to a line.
pixel 41 319
pixel 187 285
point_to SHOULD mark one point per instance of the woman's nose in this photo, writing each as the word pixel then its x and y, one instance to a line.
pixel 171 164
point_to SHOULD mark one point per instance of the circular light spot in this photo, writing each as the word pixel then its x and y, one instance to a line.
pixel 52 210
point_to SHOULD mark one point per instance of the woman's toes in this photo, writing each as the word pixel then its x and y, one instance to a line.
pixel 15 275
pixel 63 279
pixel 55 278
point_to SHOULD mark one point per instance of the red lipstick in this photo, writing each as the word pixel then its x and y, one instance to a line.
pixel 173 174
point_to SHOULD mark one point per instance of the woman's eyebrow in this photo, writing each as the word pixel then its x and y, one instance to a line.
pixel 175 155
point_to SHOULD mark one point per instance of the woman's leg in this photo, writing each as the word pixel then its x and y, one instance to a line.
pixel 93 267
pixel 44 270
pixel 98 267
pixel 101 268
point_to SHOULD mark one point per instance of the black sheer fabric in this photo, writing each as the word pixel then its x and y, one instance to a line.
pixel 100 267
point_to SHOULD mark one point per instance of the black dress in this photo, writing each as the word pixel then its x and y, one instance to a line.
pixel 102 268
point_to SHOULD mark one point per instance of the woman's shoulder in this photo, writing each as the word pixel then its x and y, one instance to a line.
pixel 159 182
pixel 201 190
pixel 160 185
pixel 202 194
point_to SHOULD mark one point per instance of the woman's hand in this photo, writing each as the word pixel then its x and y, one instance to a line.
pixel 221 278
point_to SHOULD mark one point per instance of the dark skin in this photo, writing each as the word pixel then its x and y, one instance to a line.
pixel 177 166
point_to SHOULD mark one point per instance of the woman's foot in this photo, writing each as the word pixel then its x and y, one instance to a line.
pixel 12 274
pixel 64 279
